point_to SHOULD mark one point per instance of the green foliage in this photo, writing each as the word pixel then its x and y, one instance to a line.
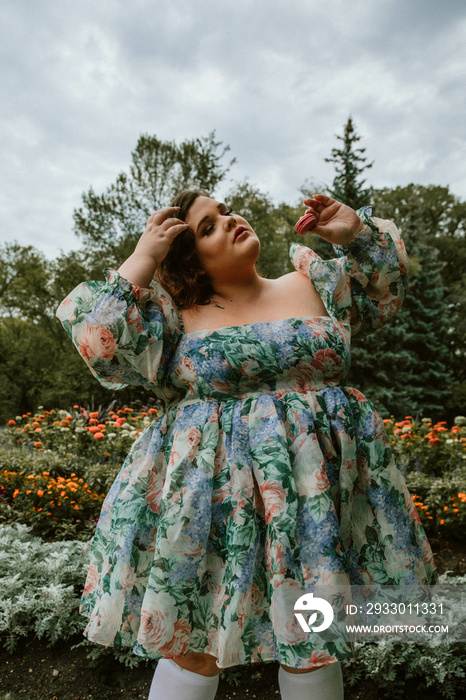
pixel 57 466
pixel 349 164
pixel 430 449
pixel 407 365
pixel 441 502
pixel 96 436
pixel 389 665
pixel 25 283
pixel 40 591
pixel 40 586
pixel 432 219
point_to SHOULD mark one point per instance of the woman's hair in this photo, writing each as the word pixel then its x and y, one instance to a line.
pixel 181 272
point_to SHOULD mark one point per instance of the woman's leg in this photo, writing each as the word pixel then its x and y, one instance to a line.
pixel 323 683
pixel 190 677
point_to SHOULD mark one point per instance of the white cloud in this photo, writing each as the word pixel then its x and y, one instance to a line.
pixel 277 80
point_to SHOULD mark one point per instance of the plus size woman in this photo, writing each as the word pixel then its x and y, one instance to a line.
pixel 265 474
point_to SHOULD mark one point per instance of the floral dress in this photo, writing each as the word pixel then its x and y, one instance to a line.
pixel 264 476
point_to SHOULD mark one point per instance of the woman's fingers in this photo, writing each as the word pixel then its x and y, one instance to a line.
pixel 318 202
pixel 161 215
pixel 324 199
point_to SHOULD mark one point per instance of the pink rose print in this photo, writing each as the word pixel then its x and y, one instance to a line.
pixel 92 580
pixel 274 498
pixel 179 643
pixel 96 341
pixel 156 628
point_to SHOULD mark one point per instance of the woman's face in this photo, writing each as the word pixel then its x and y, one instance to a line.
pixel 225 242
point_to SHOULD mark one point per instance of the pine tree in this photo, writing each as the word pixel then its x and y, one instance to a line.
pixel 350 163
pixel 420 381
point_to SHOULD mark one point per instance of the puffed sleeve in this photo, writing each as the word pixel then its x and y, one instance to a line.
pixel 124 333
pixel 371 272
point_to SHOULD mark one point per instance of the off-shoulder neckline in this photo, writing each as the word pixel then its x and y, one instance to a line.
pixel 257 323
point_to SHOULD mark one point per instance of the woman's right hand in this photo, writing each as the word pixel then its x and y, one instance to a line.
pixel 161 229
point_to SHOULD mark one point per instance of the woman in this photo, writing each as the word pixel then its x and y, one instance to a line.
pixel 265 475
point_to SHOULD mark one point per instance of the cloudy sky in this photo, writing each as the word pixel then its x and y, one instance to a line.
pixel 277 79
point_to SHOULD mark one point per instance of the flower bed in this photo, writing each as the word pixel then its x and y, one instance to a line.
pixel 56 467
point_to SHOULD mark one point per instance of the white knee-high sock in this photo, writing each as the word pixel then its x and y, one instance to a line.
pixel 324 684
pixel 171 682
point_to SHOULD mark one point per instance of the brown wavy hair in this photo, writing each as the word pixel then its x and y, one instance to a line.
pixel 181 272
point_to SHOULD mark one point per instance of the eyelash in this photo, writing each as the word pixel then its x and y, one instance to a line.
pixel 208 230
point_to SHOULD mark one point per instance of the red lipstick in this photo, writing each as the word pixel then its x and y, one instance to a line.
pixel 238 231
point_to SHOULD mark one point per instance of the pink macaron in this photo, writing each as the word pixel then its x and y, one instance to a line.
pixel 306 223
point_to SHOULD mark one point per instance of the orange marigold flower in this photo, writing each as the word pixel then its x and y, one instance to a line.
pixel 75 405
pixel 28 492
pixel 455 510
pixel 38 430
pixel 93 429
pixel 40 493
pixel 442 522
pixel 98 436
pixel 37 444
pixel 434 441
pixel 154 410
pixel 35 424
pixel 398 431
pixel 445 507
pixel 11 422
pixel 93 414
pixel 15 493
pixel 76 508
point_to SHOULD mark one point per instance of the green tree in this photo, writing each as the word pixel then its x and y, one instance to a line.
pixel 432 222
pixel 24 283
pixel 110 223
pixel 350 163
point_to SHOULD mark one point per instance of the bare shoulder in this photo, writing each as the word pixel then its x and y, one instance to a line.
pixel 294 280
pixel 298 292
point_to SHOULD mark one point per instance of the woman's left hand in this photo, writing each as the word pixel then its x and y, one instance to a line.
pixel 336 222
